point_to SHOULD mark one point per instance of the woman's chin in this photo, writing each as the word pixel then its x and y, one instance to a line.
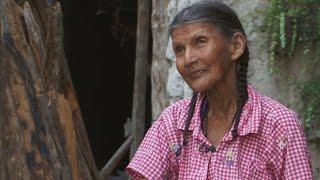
pixel 199 85
pixel 199 88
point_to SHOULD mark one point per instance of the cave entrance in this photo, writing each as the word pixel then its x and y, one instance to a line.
pixel 99 41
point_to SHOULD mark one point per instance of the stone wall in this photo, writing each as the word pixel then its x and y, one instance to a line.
pixel 168 85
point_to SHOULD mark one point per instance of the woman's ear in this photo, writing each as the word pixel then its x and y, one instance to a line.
pixel 238 45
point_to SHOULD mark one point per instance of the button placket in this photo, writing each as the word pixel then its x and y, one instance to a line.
pixel 205 169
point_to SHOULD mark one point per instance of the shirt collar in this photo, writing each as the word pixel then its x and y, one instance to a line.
pixel 251 114
pixel 249 121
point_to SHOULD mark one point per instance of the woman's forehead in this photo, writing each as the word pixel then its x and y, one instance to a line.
pixel 191 29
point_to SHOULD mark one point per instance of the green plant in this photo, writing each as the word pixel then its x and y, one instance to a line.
pixel 310 93
pixel 292 22
pixel 289 23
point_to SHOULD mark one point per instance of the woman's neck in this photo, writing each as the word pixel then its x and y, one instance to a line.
pixel 222 102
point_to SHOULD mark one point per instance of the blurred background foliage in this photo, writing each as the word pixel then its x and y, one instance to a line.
pixel 290 23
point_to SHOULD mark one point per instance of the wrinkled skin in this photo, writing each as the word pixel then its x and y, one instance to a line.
pixel 204 57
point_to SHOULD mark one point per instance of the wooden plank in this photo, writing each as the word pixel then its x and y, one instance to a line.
pixel 140 79
pixel 115 159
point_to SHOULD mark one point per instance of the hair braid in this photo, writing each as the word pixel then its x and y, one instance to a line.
pixel 190 115
pixel 204 108
pixel 242 89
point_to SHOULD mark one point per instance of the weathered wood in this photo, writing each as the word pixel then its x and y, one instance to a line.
pixel 140 79
pixel 115 159
pixel 42 135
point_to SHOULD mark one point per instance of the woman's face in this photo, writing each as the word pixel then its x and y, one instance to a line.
pixel 203 56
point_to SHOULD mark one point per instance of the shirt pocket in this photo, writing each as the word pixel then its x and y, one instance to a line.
pixel 257 170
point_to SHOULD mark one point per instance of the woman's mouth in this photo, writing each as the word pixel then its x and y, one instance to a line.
pixel 196 74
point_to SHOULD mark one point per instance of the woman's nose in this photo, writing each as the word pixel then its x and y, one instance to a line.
pixel 191 57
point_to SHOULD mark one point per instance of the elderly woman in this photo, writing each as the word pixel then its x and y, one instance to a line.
pixel 228 130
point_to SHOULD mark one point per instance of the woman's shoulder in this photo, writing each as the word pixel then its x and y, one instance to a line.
pixel 282 137
pixel 175 110
pixel 170 122
pixel 276 109
pixel 278 116
pixel 278 124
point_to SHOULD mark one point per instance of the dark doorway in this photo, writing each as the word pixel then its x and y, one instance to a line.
pixel 99 41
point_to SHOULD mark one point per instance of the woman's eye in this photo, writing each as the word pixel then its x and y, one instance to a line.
pixel 201 42
pixel 179 50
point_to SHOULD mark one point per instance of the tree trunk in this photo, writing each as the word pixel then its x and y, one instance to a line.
pixel 42 135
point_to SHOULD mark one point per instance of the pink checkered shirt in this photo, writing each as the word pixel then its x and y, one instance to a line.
pixel 271 145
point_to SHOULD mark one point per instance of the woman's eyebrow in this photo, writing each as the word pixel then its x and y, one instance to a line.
pixel 197 36
pixel 174 44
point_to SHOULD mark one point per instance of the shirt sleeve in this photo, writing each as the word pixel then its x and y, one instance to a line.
pixel 151 160
pixel 292 149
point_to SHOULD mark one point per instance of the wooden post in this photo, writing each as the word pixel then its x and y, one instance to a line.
pixel 140 79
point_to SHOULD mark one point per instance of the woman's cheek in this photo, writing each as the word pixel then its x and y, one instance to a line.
pixel 180 67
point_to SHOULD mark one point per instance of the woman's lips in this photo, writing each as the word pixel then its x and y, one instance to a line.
pixel 196 74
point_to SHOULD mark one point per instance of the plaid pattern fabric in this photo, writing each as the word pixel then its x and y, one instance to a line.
pixel 271 145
